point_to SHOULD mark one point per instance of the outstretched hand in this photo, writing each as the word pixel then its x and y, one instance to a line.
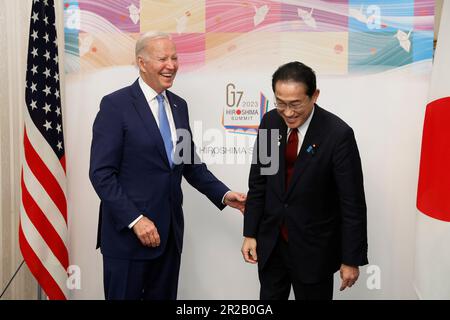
pixel 236 200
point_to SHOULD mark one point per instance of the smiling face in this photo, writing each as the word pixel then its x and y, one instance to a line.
pixel 158 64
pixel 294 94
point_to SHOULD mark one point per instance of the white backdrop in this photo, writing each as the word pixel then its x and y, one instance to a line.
pixel 386 112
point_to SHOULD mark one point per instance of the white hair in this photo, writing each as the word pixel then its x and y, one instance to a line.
pixel 144 39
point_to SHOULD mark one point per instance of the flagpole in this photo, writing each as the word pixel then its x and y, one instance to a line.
pixel 39 292
pixel 11 280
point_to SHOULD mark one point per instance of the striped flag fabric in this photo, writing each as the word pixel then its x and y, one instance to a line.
pixel 432 261
pixel 43 213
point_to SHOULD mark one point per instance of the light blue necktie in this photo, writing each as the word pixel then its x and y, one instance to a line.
pixel 164 128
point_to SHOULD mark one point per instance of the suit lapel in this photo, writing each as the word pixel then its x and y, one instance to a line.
pixel 313 137
pixel 282 150
pixel 175 110
pixel 143 109
pixel 177 119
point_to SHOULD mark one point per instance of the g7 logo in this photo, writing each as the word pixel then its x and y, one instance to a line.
pixel 232 95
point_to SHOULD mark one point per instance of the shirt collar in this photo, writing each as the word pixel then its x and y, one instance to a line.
pixel 149 92
pixel 304 127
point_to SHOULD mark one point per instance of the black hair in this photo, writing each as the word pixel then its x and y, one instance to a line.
pixel 297 72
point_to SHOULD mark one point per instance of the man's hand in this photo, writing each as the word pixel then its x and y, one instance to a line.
pixel 236 200
pixel 147 232
pixel 249 250
pixel 349 275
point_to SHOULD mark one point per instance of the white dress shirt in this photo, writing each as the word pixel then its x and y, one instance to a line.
pixel 301 131
pixel 150 96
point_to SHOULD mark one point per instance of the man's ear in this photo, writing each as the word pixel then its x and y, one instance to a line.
pixel 140 63
pixel 316 95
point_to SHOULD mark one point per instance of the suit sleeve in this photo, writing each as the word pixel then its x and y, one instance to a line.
pixel 106 156
pixel 349 179
pixel 197 175
pixel 254 207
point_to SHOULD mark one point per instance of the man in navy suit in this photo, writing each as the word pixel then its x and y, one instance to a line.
pixel 135 171
pixel 307 220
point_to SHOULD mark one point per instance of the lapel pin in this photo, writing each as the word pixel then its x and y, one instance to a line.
pixel 312 149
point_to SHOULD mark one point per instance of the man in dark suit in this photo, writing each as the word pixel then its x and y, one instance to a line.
pixel 307 220
pixel 136 169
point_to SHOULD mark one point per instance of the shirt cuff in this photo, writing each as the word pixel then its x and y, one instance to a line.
pixel 223 199
pixel 131 225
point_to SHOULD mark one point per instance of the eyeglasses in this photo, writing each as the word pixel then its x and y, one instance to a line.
pixel 295 106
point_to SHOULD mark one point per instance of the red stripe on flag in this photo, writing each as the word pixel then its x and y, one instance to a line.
pixel 63 162
pixel 44 278
pixel 434 176
pixel 45 176
pixel 45 228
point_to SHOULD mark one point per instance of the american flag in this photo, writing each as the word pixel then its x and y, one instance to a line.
pixel 43 213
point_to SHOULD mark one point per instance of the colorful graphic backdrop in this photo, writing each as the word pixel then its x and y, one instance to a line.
pixel 372 58
pixel 334 37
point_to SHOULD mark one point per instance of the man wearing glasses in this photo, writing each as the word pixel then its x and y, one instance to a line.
pixel 307 220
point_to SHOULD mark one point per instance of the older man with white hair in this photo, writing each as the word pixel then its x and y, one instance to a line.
pixel 138 179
